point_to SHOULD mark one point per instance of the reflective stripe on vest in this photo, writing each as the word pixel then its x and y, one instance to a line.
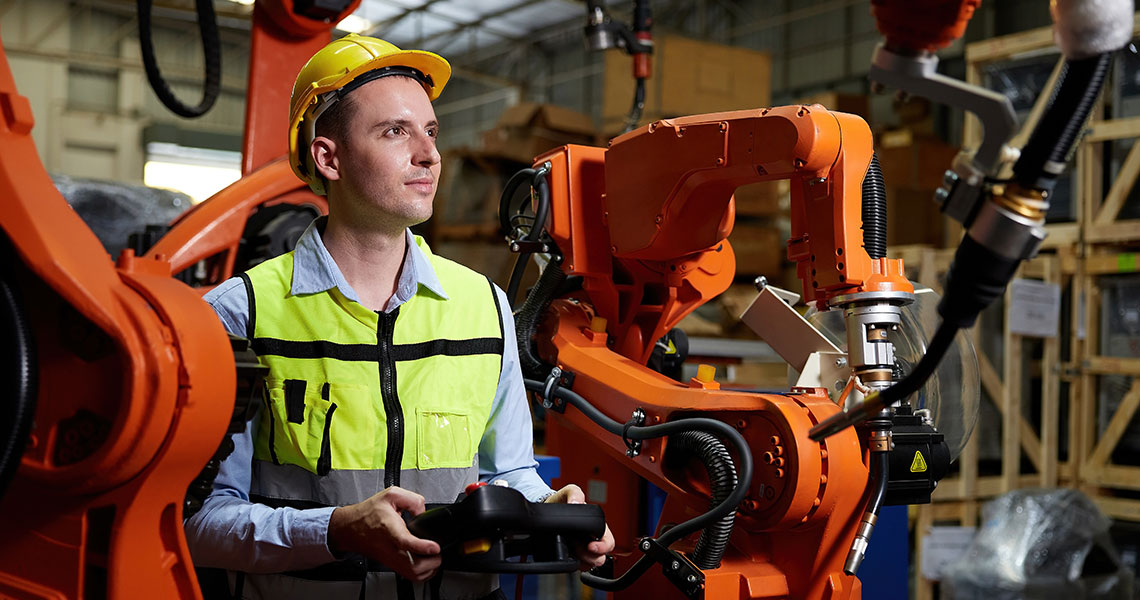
pixel 358 401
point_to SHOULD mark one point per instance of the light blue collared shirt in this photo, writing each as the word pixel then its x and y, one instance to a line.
pixel 233 533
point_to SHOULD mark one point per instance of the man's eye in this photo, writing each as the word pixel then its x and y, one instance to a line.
pixel 433 132
pixel 396 130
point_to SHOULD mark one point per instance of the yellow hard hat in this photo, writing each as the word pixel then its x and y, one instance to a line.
pixel 341 67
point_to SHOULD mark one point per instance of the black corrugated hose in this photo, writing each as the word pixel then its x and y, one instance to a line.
pixel 19 364
pixel 874 210
pixel 1075 94
pixel 722 479
pixel 723 430
pixel 526 318
pixel 211 48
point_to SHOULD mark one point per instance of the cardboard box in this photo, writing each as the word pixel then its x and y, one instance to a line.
pixel 527 130
pixel 856 104
pixel 690 77
pixel 913 218
pixel 760 249
pixel 764 199
pixel 914 161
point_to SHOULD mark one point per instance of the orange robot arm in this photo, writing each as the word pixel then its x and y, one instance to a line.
pixel 644 225
pixel 645 222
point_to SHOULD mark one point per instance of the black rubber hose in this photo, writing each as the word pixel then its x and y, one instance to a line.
pixel 505 199
pixel 722 479
pixel 976 278
pixel 526 319
pixel 874 210
pixel 638 106
pixel 537 228
pixel 1074 96
pixel 725 431
pixel 880 474
pixel 19 364
pixel 542 211
pixel 910 384
pixel 211 48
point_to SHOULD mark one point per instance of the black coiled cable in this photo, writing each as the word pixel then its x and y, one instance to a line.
pixel 19 364
pixel 1074 96
pixel 211 48
pixel 723 430
pixel 874 210
pixel 722 479
pixel 526 318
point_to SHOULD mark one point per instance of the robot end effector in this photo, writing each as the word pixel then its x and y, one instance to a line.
pixel 1004 218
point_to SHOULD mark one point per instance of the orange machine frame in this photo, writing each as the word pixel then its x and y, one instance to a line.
pixel 137 371
pixel 644 224
pixel 139 376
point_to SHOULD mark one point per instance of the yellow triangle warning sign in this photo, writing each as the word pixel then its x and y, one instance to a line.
pixel 918 465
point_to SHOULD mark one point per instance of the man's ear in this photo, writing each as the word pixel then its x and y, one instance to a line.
pixel 325 158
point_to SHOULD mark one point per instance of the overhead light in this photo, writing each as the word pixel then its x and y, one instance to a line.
pixel 243 2
pixel 354 24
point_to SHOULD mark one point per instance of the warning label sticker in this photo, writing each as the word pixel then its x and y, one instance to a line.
pixel 918 465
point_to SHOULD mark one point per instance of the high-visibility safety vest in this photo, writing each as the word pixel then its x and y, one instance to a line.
pixel 358 401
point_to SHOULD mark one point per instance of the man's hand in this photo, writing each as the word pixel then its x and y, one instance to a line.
pixel 375 529
pixel 593 554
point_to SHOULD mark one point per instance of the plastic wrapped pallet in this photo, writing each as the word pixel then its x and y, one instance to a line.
pixel 1042 545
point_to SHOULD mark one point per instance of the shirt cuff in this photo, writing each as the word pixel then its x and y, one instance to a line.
pixel 313 534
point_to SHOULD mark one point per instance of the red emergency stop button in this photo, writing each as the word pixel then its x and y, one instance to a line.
pixel 474 486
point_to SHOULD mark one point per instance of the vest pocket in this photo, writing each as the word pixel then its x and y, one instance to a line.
pixel 443 439
pixel 299 424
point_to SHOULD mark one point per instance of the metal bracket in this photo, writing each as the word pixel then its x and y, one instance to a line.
pixel 632 446
pixel 678 569
pixel 785 330
pixel 918 75
pixel 826 370
pixel 531 247
pixel 556 379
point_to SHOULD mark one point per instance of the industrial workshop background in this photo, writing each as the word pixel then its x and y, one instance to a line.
pixel 1061 389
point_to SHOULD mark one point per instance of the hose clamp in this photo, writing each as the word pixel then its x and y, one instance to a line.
pixel 632 446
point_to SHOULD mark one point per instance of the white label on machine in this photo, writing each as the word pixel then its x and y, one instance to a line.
pixel 942 546
pixel 1035 308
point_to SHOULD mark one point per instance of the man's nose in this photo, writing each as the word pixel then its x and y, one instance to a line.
pixel 426 153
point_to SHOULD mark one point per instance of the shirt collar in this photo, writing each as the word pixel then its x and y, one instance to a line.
pixel 315 271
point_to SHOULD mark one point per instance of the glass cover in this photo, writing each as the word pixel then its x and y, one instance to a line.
pixel 953 393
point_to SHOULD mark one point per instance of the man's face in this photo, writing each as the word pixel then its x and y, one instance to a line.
pixel 388 161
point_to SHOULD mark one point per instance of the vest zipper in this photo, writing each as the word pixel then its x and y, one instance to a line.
pixel 392 408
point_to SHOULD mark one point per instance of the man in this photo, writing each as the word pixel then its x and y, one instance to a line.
pixel 393 373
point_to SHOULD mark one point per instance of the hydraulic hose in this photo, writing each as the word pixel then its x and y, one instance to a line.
pixel 1044 156
pixel 211 48
pixel 722 479
pixel 727 506
pixel 19 364
pixel 874 210
pixel 526 319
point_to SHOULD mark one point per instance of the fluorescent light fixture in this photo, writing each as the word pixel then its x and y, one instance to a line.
pixel 243 2
pixel 354 24
pixel 196 172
